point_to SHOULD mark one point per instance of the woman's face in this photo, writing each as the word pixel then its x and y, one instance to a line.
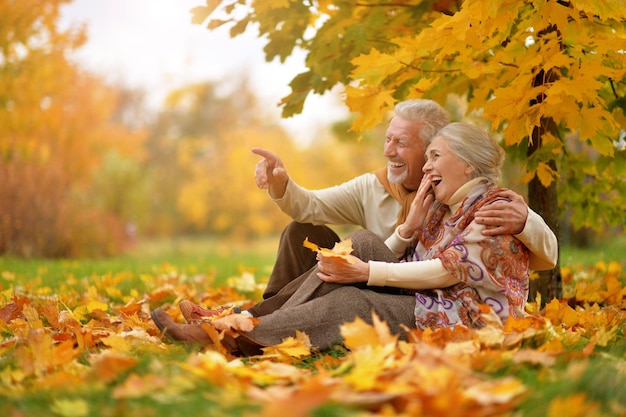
pixel 446 172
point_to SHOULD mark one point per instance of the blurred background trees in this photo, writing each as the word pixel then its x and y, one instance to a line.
pixel 85 168
pixel 55 124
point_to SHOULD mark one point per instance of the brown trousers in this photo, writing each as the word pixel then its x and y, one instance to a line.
pixel 317 308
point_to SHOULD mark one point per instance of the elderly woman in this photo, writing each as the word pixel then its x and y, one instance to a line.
pixel 434 271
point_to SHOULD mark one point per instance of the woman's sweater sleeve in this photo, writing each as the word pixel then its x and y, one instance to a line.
pixel 420 275
pixel 397 244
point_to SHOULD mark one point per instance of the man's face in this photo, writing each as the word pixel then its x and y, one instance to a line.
pixel 405 151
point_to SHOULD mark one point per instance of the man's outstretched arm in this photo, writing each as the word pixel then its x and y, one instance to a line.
pixel 516 218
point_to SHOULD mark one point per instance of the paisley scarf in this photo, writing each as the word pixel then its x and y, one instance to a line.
pixel 492 270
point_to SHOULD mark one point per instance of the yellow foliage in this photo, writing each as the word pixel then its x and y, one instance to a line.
pixel 57 124
pixel 70 407
pixel 291 348
pixel 373 103
pixel 575 405
pixel 378 372
pixel 535 70
pixel 341 249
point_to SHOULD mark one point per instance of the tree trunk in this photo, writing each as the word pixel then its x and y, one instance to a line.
pixel 544 201
pixel 541 199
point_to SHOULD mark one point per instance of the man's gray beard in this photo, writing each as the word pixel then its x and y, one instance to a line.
pixel 397 179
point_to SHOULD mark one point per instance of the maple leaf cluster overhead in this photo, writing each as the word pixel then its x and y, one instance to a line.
pixel 546 76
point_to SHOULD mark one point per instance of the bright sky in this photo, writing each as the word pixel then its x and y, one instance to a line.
pixel 153 44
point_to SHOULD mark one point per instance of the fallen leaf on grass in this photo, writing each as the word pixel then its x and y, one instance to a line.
pixel 559 312
pixel 126 341
pixel 497 391
pixel 265 372
pixel 82 312
pixel 70 408
pixel 442 336
pixel 291 347
pixel 534 357
pixel 451 371
pixel 575 405
pixel 10 312
pixel 138 386
pixel 300 401
pixel 209 365
pixel 358 333
pixel 109 364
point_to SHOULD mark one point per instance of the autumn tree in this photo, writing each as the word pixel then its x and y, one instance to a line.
pixel 540 71
pixel 55 124
pixel 190 153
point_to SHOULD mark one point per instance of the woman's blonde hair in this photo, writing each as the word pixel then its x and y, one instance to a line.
pixel 476 147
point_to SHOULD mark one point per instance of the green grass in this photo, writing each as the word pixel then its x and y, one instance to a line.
pixel 216 258
pixel 222 258
pixel 613 248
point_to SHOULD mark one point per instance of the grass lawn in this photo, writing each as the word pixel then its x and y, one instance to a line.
pixel 77 341
pixel 217 259
pixel 222 258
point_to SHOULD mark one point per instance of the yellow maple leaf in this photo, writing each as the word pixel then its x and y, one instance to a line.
pixel 109 364
pixel 605 336
pixel 341 249
pixel 265 372
pixel 117 342
pixel 492 334
pixel 576 405
pixel 82 312
pixel 70 408
pixel 371 102
pixel 499 391
pixel 209 364
pixel 32 316
pixel 546 174
pixel 291 347
pixel 366 365
pixel 375 66
pixel 552 346
pixel 614 292
pixel 559 312
pixel 358 333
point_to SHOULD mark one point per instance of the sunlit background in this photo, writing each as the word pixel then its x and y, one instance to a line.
pixel 124 121
pixel 152 44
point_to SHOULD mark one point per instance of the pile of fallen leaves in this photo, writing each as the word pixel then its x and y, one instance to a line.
pixel 89 349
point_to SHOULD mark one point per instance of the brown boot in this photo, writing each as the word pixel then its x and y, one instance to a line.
pixel 192 334
pixel 193 312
